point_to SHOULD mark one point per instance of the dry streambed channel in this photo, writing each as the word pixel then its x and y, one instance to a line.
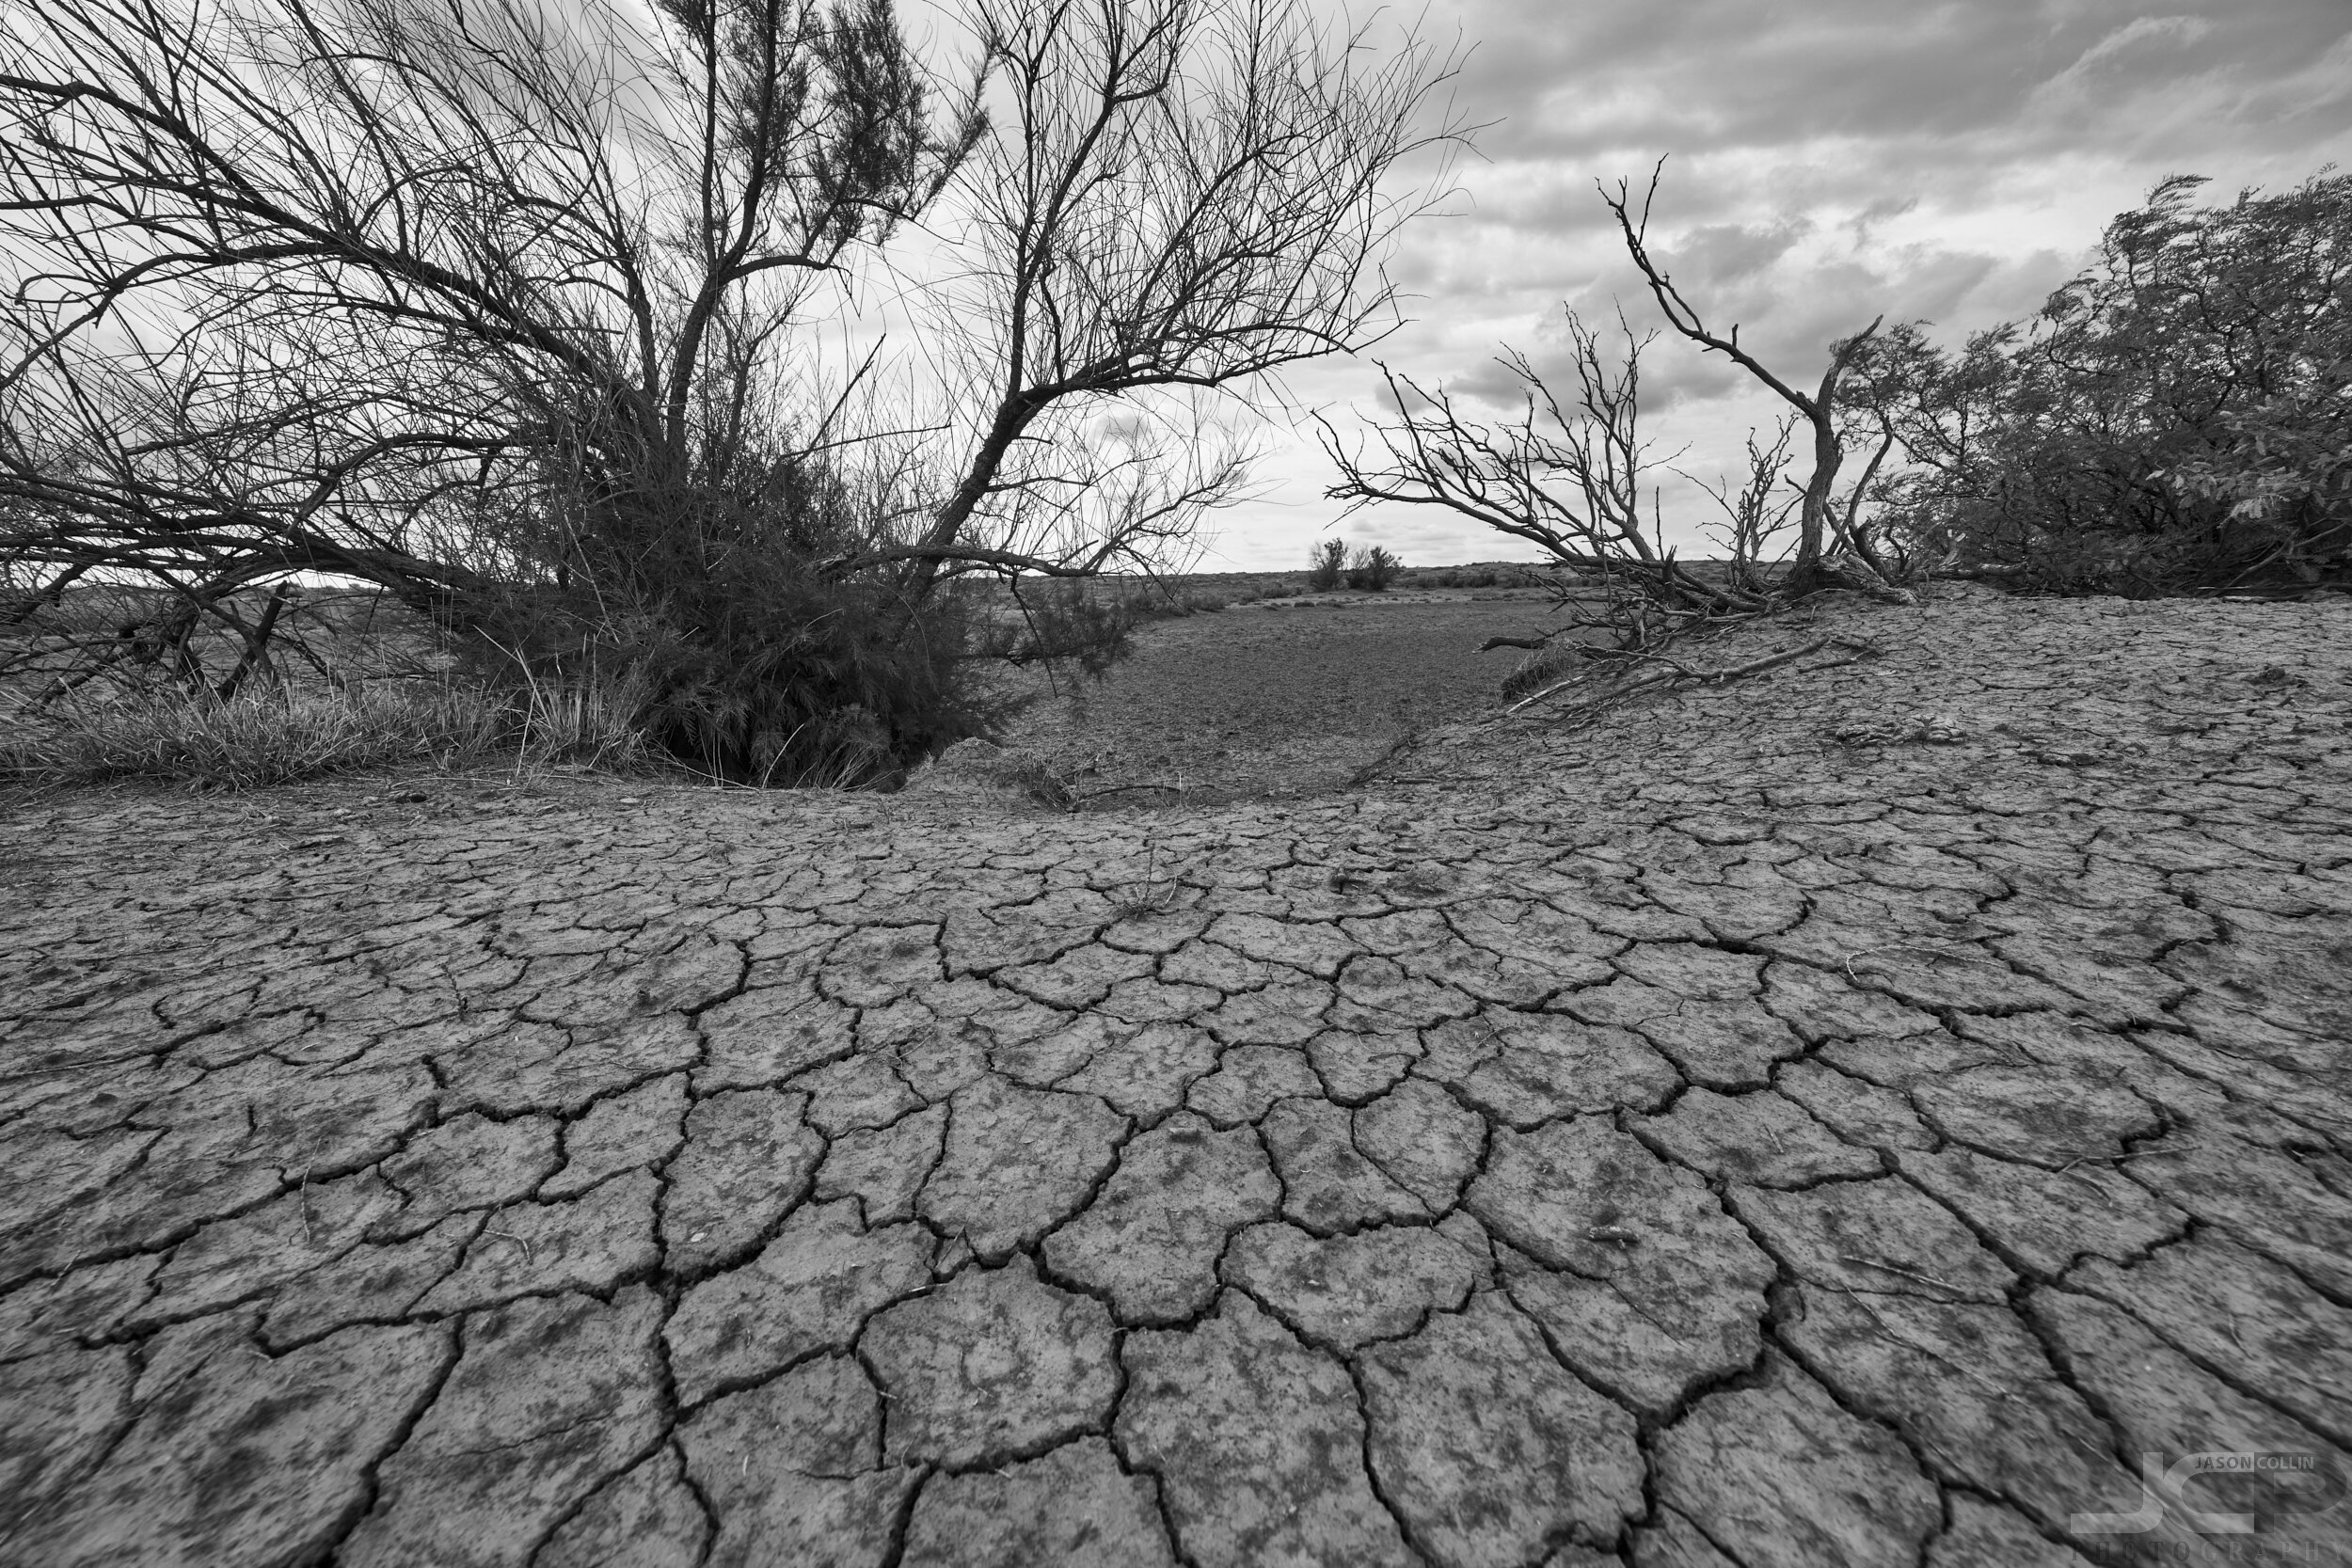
pixel 1890 1110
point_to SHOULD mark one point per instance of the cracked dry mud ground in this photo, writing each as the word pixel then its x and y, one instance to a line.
pixel 1695 1141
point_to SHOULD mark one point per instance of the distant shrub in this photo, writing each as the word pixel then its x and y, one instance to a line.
pixel 1373 569
pixel 1326 565
pixel 1159 602
pixel 1458 576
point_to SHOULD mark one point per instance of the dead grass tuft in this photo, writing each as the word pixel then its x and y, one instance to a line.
pixel 264 736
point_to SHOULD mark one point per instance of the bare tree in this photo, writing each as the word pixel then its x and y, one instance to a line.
pixel 1568 477
pixel 1185 196
pixel 1755 517
pixel 1817 516
pixel 456 297
pixel 1571 476
pixel 340 284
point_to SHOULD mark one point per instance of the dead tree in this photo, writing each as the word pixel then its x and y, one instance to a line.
pixel 1183 198
pixel 1817 515
pixel 1755 517
pixel 1570 477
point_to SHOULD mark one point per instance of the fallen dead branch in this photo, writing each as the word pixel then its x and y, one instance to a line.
pixel 1395 749
pixel 1671 671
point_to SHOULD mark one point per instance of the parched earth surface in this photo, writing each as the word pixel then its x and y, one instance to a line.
pixel 1878 1112
pixel 1272 701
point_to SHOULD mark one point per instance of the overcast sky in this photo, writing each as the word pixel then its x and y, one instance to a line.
pixel 1828 160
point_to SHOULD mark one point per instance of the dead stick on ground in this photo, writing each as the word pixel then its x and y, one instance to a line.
pixel 1934 949
pixel 1358 779
pixel 1922 1346
pixel 2119 1158
pixel 1912 1274
pixel 1678 670
pixel 529 1256
pixel 1114 789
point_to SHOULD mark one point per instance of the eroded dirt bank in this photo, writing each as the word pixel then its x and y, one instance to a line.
pixel 1854 1116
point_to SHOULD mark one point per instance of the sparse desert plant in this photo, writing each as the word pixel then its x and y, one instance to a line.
pixel 596 720
pixel 1325 566
pixel 1372 570
pixel 1167 602
pixel 257 736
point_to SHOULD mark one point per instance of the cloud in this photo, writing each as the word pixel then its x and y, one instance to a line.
pixel 2112 55
pixel 1494 390
pixel 1883 210
pixel 1718 255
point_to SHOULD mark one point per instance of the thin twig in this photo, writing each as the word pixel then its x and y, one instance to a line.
pixel 1675 670
pixel 1909 1274
pixel 1933 948
pixel 1923 1348
pixel 1114 789
pixel 2127 1154
pixel 530 1257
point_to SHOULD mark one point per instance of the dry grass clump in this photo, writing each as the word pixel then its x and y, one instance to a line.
pixel 267 736
pixel 252 738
